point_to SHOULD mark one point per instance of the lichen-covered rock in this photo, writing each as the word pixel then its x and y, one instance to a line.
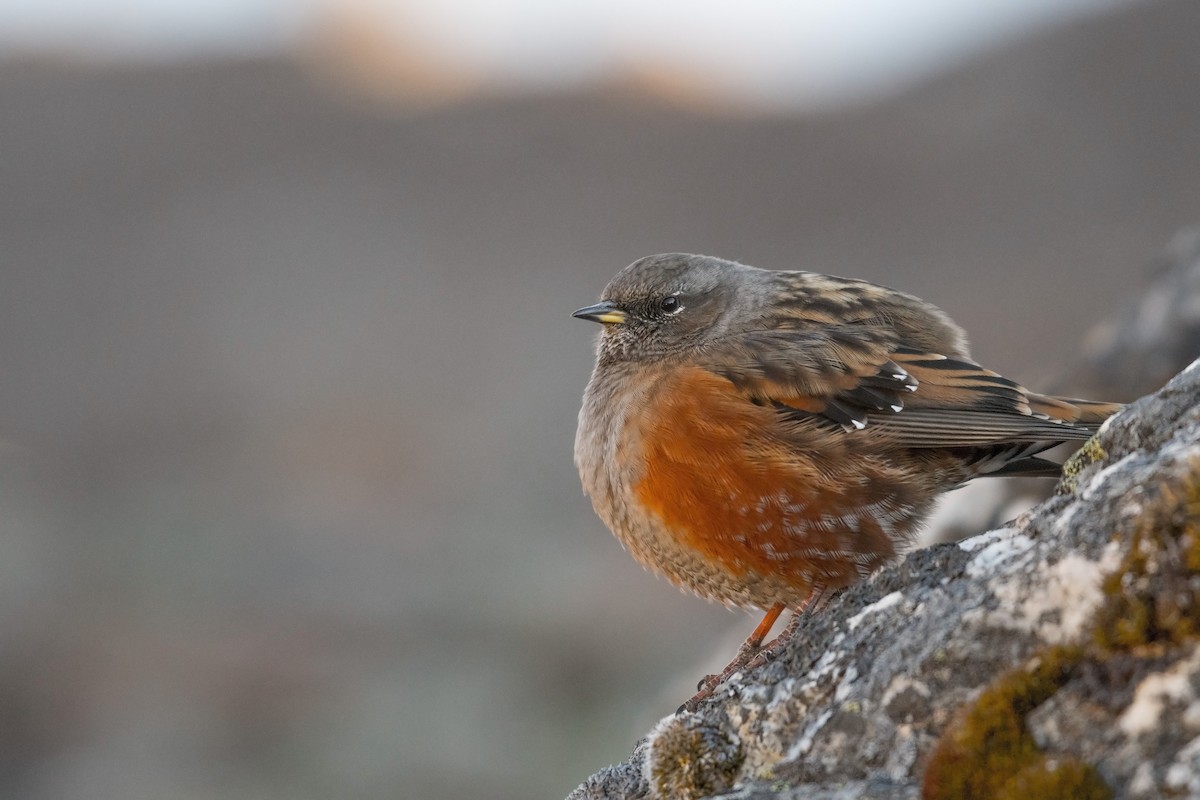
pixel 1057 657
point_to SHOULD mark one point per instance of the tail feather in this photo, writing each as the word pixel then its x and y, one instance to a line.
pixel 1084 413
pixel 1032 467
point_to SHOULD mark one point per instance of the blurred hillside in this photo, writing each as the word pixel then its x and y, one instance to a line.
pixel 287 506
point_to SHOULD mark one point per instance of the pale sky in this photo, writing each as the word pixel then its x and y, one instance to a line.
pixel 786 51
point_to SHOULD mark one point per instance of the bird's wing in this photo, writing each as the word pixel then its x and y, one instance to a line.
pixel 862 379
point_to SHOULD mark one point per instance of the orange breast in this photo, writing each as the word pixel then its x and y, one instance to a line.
pixel 757 495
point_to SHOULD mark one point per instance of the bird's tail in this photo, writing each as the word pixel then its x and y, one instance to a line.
pixel 1084 413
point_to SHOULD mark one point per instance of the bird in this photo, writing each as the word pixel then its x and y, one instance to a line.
pixel 767 438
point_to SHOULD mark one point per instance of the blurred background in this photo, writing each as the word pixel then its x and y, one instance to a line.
pixel 289 377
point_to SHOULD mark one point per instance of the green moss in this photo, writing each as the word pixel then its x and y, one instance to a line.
pixel 1152 602
pixel 1068 779
pixel 689 759
pixel 981 753
pixel 1153 598
pixel 1085 456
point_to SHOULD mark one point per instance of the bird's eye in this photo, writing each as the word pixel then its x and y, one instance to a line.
pixel 670 304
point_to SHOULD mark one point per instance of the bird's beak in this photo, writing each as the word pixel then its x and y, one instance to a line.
pixel 605 313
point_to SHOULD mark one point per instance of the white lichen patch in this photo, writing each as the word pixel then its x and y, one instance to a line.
pixel 1183 776
pixel 1058 602
pixel 782 692
pixel 1005 545
pixel 887 601
pixel 805 743
pixel 1191 716
pixel 826 665
pixel 984 539
pixel 1096 483
pixel 1104 426
pixel 902 683
pixel 770 722
pixel 1142 784
pixel 1155 691
pixel 902 755
pixel 784 723
pixel 845 684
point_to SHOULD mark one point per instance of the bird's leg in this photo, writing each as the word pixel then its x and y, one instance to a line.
pixel 753 653
pixel 745 653
pixel 812 604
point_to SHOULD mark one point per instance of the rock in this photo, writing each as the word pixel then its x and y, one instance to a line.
pixel 1152 338
pixel 1058 656
pixel 1128 355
